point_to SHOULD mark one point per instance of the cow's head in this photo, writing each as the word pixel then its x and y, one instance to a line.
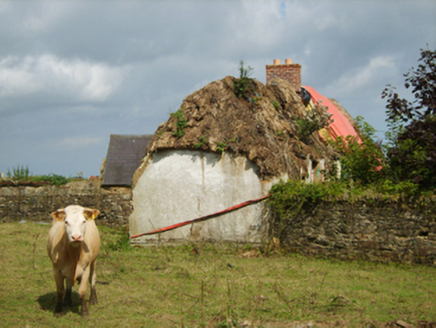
pixel 74 218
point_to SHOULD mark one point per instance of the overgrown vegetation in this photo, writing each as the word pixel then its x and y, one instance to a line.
pixel 181 123
pixel 22 175
pixel 315 119
pixel 209 286
pixel 291 199
pixel 296 198
pixel 53 179
pixel 403 169
pixel 19 173
pixel 223 145
pixel 244 84
pixel 203 141
pixel 361 160
pixel 408 157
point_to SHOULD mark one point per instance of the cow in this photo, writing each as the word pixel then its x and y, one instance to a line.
pixel 73 245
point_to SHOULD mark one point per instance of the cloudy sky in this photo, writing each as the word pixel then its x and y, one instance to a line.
pixel 74 72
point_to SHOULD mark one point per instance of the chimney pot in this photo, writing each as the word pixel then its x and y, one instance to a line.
pixel 289 72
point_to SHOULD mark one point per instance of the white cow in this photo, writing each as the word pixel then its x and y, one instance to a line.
pixel 73 245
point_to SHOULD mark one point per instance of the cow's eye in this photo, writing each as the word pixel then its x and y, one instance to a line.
pixel 84 221
pixel 67 223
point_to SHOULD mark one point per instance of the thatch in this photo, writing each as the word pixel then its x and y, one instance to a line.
pixel 260 126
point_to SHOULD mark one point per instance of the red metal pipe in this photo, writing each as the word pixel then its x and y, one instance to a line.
pixel 203 218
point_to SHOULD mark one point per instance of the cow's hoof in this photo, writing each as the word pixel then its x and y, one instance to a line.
pixel 58 310
pixel 84 312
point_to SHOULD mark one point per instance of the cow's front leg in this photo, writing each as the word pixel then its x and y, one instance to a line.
pixel 60 291
pixel 82 292
pixel 67 299
pixel 92 280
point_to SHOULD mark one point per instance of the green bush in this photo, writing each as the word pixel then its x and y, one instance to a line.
pixel 294 198
pixel 53 179
pixel 407 160
pixel 21 174
pixel 289 197
pixel 361 162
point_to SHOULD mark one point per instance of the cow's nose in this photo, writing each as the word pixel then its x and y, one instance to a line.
pixel 76 238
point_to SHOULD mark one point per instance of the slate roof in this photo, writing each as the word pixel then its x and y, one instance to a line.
pixel 124 156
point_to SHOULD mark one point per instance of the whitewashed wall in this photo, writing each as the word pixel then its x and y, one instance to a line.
pixel 182 185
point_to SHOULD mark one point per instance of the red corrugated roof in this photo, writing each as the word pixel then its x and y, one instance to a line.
pixel 341 125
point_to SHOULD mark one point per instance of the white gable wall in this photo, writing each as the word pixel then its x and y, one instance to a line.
pixel 181 185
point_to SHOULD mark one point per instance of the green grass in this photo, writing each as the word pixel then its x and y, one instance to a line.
pixel 216 287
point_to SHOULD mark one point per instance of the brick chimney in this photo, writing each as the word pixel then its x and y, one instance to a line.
pixel 288 71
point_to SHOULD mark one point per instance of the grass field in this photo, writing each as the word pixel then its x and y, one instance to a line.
pixel 215 286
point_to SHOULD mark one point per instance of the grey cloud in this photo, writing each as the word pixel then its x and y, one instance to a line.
pixel 53 81
pixel 123 66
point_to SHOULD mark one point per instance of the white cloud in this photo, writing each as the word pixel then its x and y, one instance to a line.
pixel 363 77
pixel 77 79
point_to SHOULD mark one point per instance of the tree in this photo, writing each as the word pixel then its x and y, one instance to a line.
pixel 412 152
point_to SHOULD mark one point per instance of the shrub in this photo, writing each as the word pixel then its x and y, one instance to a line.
pixel 295 197
pixel 360 161
pixel 21 174
pixel 53 179
pixel 244 84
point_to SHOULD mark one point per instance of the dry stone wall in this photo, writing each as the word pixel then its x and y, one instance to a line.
pixel 36 203
pixel 378 232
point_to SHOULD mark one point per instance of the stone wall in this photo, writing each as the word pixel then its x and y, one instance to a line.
pixel 378 232
pixel 36 203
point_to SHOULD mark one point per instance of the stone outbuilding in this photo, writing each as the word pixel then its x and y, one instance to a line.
pixel 228 143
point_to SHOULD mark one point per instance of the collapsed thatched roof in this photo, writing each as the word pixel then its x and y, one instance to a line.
pixel 260 126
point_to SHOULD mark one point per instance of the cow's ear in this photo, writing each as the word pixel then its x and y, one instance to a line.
pixel 90 214
pixel 59 215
